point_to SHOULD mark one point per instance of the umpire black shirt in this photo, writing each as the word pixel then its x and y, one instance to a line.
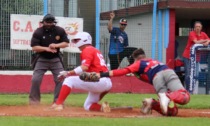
pixel 44 37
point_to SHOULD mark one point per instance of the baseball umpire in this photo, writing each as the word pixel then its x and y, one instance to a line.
pixel 46 42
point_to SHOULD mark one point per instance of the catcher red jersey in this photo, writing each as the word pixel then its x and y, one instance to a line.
pixel 92 58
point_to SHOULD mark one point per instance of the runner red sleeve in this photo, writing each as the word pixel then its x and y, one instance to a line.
pixel 120 72
pixel 130 69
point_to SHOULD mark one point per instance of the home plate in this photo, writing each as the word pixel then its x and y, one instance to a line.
pixel 140 116
pixel 2 114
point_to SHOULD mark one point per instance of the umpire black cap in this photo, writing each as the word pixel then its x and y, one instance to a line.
pixel 49 18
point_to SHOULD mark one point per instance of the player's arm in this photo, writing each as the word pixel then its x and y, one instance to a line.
pixel 36 46
pixel 95 77
pixel 78 70
pixel 199 41
pixel 64 41
pixel 59 45
pixel 86 61
pixel 192 37
pixel 119 72
pixel 207 40
pixel 112 15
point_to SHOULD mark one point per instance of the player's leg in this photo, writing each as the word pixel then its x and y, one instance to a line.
pixel 150 104
pixel 39 70
pixel 177 93
pixel 103 85
pixel 172 108
pixel 160 86
pixel 91 103
pixel 56 67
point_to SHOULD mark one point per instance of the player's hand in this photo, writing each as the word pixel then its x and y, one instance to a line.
pixel 62 75
pixel 89 77
pixel 53 46
pixel 51 50
pixel 112 15
pixel 206 43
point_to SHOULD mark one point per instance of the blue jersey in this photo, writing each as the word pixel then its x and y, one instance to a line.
pixel 149 68
pixel 118 40
pixel 144 69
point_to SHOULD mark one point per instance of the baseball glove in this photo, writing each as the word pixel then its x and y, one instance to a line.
pixel 89 77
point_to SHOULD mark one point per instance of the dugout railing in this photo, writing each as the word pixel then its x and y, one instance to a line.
pixel 199 69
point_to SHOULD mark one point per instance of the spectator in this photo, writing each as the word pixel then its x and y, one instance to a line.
pixel 46 42
pixel 195 37
pixel 118 43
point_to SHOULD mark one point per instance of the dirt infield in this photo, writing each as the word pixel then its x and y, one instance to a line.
pixel 44 111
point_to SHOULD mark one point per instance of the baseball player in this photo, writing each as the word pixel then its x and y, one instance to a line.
pixel 164 80
pixel 91 61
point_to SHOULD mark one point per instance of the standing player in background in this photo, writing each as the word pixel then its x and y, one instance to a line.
pixel 165 81
pixel 118 43
pixel 91 61
pixel 195 37
pixel 46 42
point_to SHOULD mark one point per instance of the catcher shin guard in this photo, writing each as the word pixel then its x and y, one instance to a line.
pixel 181 96
pixel 172 109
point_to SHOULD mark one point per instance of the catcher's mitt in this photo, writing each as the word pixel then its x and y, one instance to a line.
pixel 89 77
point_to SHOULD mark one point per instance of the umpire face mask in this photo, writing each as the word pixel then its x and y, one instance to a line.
pixel 48 25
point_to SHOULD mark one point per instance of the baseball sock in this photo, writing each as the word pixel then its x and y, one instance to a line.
pixel 172 108
pixel 95 107
pixel 64 92
pixel 156 106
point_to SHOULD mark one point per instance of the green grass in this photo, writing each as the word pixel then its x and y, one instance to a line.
pixel 197 102
pixel 49 121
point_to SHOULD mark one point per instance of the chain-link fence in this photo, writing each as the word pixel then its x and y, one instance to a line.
pixel 144 28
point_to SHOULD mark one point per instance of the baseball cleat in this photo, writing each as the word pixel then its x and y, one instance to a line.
pixel 147 106
pixel 105 107
pixel 164 102
pixel 57 107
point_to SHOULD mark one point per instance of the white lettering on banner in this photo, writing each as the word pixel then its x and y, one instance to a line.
pixel 23 26
pixel 21 42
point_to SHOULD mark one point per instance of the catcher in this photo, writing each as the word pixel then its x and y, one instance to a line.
pixel 165 81
pixel 91 61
